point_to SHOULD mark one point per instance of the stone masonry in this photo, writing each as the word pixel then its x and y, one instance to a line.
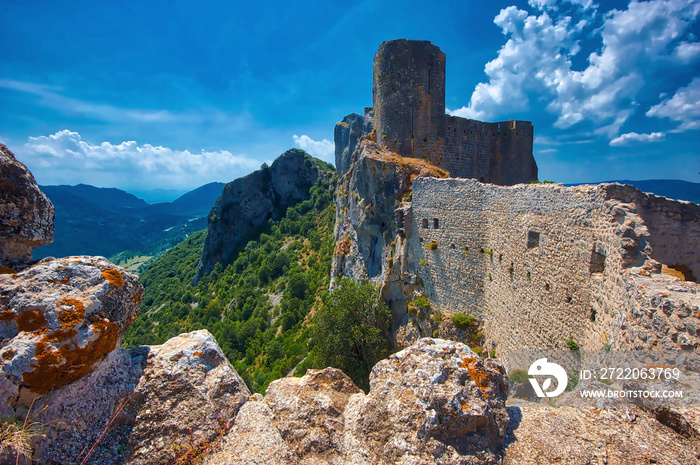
pixel 409 118
pixel 540 264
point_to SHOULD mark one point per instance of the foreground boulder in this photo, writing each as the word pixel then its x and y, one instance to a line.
pixel 434 402
pixel 188 395
pixel 58 321
pixel 160 402
pixel 26 214
pixel 309 412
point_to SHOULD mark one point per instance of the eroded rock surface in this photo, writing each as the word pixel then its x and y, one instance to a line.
pixel 176 397
pixel 58 320
pixel 579 436
pixel 308 412
pixel 254 439
pixel 249 202
pixel 434 402
pixel 187 393
pixel 26 214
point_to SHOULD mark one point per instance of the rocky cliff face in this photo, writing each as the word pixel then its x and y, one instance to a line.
pixel 248 203
pixel 346 135
pixel 26 214
pixel 368 229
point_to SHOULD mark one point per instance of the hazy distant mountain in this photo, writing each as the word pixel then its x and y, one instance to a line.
pixel 671 188
pixel 105 221
pixel 196 203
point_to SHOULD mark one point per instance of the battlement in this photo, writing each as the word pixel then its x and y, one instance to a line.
pixel 409 118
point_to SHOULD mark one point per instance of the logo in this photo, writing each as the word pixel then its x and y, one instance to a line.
pixel 542 367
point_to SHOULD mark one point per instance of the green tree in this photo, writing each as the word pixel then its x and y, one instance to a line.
pixel 349 331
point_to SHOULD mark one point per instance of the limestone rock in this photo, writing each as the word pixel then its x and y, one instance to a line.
pixel 58 319
pixel 187 395
pixel 580 436
pixel 435 402
pixel 249 202
pixel 365 210
pixel 175 397
pixel 254 439
pixel 26 214
pixel 346 136
pixel 74 416
pixel 308 412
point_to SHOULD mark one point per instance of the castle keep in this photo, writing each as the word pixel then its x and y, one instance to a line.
pixel 409 118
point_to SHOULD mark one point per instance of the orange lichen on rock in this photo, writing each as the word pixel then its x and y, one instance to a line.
pixel 477 373
pixel 60 365
pixel 7 315
pixel 137 297
pixel 8 354
pixel 342 247
pixel 60 335
pixel 114 277
pixel 30 320
pixel 72 316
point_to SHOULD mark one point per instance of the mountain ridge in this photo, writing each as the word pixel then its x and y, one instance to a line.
pixel 677 189
pixel 105 221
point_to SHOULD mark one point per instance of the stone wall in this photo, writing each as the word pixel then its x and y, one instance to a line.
pixel 540 264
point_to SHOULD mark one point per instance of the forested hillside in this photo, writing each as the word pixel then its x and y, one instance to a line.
pixel 256 306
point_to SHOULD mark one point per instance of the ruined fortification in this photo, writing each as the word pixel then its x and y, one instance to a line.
pixel 409 118
pixel 543 264
pixel 538 266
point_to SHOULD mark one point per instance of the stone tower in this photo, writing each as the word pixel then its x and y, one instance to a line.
pixel 409 118
pixel 409 96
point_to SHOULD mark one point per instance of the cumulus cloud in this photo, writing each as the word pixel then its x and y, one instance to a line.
pixel 683 107
pixel 323 149
pixel 633 138
pixel 65 158
pixel 535 64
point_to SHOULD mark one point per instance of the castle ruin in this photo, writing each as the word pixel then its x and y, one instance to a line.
pixel 606 266
pixel 409 118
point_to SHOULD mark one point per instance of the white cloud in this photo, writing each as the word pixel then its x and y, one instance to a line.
pixel 633 138
pixel 65 158
pixel 683 107
pixel 553 5
pixel 323 149
pixel 536 61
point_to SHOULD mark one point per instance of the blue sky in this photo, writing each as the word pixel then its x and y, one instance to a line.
pixel 172 95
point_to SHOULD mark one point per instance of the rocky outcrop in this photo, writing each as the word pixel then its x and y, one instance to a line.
pixel 369 193
pixel 58 320
pixel 26 214
pixel 436 402
pixel 309 412
pixel 187 395
pixel 249 202
pixel 346 136
pixel 160 403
